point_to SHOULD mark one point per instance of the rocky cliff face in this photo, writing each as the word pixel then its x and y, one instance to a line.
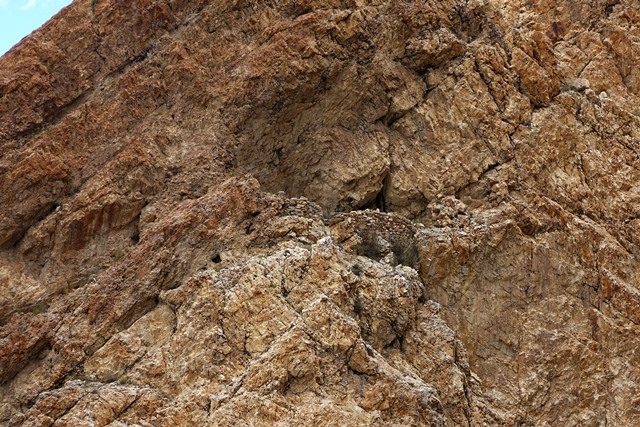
pixel 297 212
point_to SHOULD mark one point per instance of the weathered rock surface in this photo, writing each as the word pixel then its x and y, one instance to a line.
pixel 189 233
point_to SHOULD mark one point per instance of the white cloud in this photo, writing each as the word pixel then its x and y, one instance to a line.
pixel 3 3
pixel 30 4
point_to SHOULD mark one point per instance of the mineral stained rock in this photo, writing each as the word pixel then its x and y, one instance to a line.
pixel 294 212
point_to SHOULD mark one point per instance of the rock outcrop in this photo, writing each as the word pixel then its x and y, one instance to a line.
pixel 322 213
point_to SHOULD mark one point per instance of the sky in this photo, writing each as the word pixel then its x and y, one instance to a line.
pixel 18 18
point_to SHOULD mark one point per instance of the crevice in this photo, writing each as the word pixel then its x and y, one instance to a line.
pixel 397 343
pixel 379 201
pixel 489 168
pixel 70 407
pixel 135 233
pixel 44 213
pixel 135 312
pixel 53 119
pixel 29 354
pixel 132 60
pixel 389 119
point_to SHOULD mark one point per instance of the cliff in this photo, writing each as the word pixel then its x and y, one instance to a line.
pixel 296 212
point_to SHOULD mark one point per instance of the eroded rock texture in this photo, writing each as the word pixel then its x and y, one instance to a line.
pixel 297 212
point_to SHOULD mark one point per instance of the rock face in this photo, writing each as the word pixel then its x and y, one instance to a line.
pixel 297 212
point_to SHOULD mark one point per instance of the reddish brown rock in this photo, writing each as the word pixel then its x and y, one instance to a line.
pixel 189 234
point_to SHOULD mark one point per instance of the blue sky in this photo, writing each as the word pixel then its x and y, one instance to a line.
pixel 18 18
